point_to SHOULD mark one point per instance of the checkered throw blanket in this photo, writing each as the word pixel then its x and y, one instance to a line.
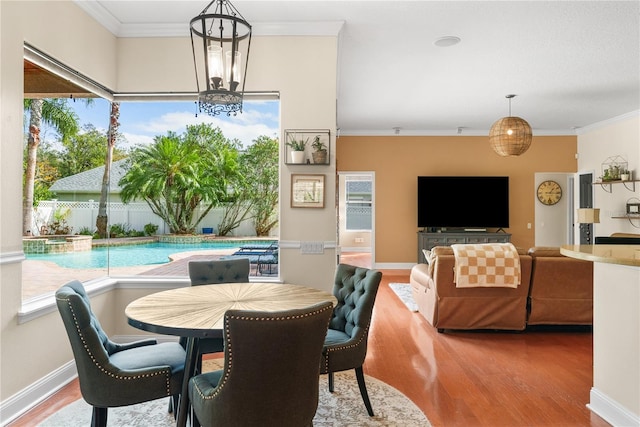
pixel 486 265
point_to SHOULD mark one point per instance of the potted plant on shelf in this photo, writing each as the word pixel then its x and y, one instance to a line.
pixel 297 149
pixel 320 151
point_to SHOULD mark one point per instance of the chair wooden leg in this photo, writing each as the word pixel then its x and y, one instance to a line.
pixel 330 381
pixel 173 404
pixel 363 390
pixel 99 417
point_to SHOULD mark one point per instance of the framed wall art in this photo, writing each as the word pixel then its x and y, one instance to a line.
pixel 307 191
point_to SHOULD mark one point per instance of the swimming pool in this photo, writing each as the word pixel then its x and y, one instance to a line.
pixel 132 255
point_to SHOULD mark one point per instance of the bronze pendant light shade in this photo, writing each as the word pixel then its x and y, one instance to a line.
pixel 510 136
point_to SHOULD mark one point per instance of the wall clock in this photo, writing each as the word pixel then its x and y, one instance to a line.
pixel 549 193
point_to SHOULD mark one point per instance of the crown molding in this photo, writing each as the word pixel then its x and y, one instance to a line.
pixel 118 29
pixel 608 122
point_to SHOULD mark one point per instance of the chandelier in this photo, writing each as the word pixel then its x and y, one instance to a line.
pixel 510 136
pixel 220 41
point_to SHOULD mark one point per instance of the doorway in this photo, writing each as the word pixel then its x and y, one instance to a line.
pixel 585 200
pixel 356 218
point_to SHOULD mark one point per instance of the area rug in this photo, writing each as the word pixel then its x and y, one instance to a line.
pixel 344 407
pixel 403 291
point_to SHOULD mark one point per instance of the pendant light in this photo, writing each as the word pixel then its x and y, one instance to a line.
pixel 510 136
pixel 220 41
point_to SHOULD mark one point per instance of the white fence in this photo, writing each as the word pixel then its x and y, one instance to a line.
pixel 134 215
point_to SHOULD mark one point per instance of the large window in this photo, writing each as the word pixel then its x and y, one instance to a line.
pixel 358 203
pixel 68 186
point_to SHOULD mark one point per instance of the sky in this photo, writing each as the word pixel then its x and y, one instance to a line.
pixel 140 122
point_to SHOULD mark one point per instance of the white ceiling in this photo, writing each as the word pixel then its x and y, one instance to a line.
pixel 571 63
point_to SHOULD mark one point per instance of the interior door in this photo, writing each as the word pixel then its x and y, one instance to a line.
pixel 586 201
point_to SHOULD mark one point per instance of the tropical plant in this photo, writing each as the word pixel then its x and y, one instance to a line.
pixel 150 229
pixel 260 168
pixel 85 231
pixel 178 173
pixel 119 230
pixel 59 224
pixel 56 113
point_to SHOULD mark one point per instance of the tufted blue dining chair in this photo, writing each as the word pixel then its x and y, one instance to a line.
pixel 271 370
pixel 112 374
pixel 346 344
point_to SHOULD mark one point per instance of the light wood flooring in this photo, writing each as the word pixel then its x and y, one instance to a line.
pixel 537 377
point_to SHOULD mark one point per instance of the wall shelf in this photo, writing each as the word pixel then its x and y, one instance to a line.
pixel 308 156
pixel 629 184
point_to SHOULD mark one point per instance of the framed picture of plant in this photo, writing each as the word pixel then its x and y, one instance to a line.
pixel 307 191
pixel 306 146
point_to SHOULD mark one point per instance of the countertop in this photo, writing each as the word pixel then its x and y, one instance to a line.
pixel 610 254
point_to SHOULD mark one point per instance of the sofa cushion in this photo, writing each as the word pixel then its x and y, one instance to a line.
pixel 544 251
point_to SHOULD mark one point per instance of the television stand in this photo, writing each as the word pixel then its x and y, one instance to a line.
pixel 428 240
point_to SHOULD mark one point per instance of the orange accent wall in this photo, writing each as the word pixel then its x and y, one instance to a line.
pixel 398 160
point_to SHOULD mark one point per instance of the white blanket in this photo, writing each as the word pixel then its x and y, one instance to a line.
pixel 486 265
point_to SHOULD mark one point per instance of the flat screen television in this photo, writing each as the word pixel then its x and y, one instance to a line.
pixel 471 202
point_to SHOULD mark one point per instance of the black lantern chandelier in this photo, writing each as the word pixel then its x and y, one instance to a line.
pixel 220 42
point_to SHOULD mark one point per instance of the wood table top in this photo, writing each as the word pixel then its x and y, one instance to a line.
pixel 198 311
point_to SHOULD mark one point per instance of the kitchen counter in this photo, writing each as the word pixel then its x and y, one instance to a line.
pixel 610 254
pixel 615 395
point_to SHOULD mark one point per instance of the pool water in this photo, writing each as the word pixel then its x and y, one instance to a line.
pixel 131 255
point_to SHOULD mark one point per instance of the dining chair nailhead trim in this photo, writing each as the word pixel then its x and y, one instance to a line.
pixel 328 350
pixel 165 372
pixel 228 368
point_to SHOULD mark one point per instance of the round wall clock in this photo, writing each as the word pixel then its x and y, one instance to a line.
pixel 549 192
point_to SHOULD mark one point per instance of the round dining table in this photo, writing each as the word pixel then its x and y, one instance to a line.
pixel 198 312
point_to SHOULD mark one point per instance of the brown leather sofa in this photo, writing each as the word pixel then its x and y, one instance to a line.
pixel 447 307
pixel 561 291
pixel 554 289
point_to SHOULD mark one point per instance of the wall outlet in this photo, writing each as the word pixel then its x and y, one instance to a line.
pixel 359 240
pixel 311 247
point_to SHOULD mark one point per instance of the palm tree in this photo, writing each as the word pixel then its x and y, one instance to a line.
pixel 57 114
pixel 114 124
pixel 176 174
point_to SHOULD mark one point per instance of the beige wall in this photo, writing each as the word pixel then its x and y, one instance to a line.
pixel 398 160
pixel 620 137
pixel 306 82
pixel 31 351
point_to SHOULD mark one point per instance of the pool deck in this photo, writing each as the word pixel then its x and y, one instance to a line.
pixel 55 276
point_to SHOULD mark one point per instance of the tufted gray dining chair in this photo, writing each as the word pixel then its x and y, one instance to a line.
pixel 219 271
pixel 271 370
pixel 112 374
pixel 346 344
pixel 213 272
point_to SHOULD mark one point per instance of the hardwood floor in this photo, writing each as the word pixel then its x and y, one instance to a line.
pixel 538 377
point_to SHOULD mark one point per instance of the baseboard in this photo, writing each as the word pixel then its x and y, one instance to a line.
pixel 21 402
pixel 26 399
pixel 394 265
pixel 610 410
